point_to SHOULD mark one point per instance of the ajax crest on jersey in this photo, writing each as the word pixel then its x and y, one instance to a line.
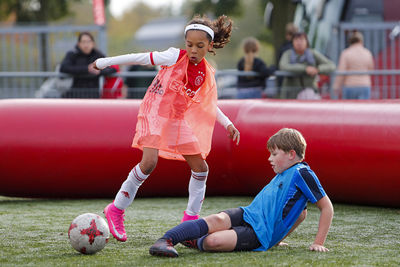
pixel 88 233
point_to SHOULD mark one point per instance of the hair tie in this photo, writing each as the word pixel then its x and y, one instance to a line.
pixel 200 27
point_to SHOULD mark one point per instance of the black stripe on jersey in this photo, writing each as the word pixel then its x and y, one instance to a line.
pixel 289 205
pixel 309 179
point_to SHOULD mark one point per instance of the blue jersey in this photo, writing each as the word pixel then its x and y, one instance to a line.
pixel 278 205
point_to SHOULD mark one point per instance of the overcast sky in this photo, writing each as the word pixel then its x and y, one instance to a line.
pixel 117 7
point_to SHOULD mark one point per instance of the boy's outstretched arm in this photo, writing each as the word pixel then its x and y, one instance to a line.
pixel 325 219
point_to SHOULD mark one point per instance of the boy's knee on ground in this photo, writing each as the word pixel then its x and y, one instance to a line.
pixel 212 242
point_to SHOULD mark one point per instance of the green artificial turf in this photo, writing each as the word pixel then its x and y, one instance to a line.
pixel 33 232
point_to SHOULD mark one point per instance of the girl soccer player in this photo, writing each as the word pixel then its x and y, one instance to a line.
pixel 177 115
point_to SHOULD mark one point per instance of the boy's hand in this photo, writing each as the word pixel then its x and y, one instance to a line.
pixel 234 133
pixel 319 248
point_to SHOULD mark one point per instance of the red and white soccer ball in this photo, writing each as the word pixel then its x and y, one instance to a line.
pixel 88 233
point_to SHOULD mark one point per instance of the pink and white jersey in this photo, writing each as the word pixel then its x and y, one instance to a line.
pixel 195 72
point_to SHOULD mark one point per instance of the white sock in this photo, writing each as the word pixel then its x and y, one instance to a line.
pixel 197 190
pixel 128 190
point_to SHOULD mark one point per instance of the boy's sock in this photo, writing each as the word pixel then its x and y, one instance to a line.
pixel 187 230
pixel 197 190
pixel 129 188
pixel 200 242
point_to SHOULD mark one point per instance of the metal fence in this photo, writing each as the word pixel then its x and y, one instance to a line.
pixel 29 56
pixel 382 39
pixel 28 49
pixel 226 83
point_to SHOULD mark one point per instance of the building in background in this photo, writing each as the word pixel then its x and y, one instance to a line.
pixel 160 34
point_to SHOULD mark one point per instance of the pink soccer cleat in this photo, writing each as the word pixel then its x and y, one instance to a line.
pixel 115 219
pixel 187 217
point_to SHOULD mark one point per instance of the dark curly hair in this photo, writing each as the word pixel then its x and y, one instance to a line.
pixel 222 28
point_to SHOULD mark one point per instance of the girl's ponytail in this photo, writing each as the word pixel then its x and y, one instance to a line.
pixel 222 28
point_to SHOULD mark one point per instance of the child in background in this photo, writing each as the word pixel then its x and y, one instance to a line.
pixel 274 213
pixel 252 86
pixel 177 115
pixel 114 87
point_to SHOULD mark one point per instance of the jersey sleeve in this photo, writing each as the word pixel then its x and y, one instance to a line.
pixel 167 57
pixel 223 119
pixel 309 185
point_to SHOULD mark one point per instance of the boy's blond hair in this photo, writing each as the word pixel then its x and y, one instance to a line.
pixel 287 139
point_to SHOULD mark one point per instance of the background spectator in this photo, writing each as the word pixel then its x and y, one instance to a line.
pixel 290 30
pixel 251 86
pixel 354 58
pixel 77 62
pixel 306 64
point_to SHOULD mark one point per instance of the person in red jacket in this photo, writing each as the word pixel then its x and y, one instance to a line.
pixel 114 87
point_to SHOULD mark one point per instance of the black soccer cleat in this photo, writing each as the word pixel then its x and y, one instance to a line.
pixel 163 248
pixel 190 243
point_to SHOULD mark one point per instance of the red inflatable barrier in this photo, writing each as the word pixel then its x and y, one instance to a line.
pixel 81 148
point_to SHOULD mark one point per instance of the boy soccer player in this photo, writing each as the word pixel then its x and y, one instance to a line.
pixel 273 214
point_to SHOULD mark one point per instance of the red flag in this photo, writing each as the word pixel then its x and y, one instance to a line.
pixel 98 12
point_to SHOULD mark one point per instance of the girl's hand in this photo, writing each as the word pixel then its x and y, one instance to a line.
pixel 234 133
pixel 319 248
pixel 94 65
pixel 93 69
